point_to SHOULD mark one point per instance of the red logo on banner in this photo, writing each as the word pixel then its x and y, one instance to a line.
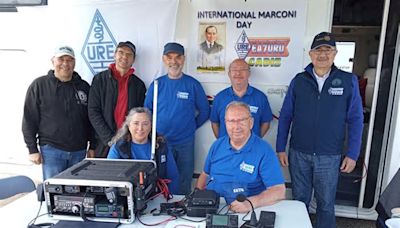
pixel 268 47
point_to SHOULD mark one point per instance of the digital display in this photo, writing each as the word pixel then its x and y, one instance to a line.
pixel 220 220
pixel 102 208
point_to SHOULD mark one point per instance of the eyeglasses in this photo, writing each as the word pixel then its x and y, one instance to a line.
pixel 239 70
pixel 241 121
pixel 323 51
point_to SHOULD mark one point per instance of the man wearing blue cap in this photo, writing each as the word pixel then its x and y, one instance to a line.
pixel 114 92
pixel 182 107
pixel 321 104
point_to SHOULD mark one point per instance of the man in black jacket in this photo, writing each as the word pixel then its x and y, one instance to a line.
pixel 114 92
pixel 55 116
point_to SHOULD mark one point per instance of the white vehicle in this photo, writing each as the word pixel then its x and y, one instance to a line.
pixel 29 35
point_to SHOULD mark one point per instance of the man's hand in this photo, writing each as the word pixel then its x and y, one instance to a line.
pixel 90 153
pixel 240 207
pixel 35 158
pixel 283 158
pixel 348 165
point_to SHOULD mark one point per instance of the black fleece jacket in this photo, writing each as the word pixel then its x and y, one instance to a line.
pixel 55 113
pixel 103 98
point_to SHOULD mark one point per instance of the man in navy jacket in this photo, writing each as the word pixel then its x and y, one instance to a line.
pixel 321 104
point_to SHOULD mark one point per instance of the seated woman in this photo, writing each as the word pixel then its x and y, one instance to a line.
pixel 132 141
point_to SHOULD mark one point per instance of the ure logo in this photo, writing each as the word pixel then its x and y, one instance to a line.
pixel 99 47
pixel 242 46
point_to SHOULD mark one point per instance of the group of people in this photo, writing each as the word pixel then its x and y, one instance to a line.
pixel 113 119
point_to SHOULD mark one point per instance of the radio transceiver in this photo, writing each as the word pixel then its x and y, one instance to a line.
pixel 104 190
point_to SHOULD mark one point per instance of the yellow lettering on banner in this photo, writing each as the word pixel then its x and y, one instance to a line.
pixel 264 62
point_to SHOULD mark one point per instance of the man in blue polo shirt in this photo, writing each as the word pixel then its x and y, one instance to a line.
pixel 239 73
pixel 321 104
pixel 182 107
pixel 242 163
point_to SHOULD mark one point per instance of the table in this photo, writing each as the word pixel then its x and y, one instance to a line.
pixel 289 213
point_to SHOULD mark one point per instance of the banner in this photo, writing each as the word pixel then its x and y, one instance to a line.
pixel 268 34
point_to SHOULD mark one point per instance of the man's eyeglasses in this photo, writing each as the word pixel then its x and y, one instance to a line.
pixel 241 121
pixel 239 70
pixel 323 51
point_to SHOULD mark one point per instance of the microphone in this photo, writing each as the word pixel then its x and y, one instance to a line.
pixel 253 219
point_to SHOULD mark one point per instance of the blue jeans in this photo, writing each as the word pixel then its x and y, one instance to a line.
pixel 54 160
pixel 320 172
pixel 184 157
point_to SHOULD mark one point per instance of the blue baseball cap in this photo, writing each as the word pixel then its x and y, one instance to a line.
pixel 175 48
pixel 128 44
pixel 323 39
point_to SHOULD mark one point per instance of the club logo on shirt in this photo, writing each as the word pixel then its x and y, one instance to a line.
pixel 247 168
pixel 81 97
pixel 335 91
pixel 163 158
pixel 237 190
pixel 336 82
pixel 182 95
pixel 253 109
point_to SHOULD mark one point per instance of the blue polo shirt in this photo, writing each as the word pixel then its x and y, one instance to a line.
pixel 138 151
pixel 248 171
pixel 182 107
pixel 257 100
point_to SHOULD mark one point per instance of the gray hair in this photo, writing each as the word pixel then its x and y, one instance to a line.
pixel 238 104
pixel 123 132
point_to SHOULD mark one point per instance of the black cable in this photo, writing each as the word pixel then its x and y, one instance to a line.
pixel 82 209
pixel 37 215
pixel 245 216
pixel 32 225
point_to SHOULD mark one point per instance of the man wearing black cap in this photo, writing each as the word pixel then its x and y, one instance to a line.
pixel 182 107
pixel 55 114
pixel 113 93
pixel 321 104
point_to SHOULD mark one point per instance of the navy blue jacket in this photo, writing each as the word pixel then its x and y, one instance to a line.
pixel 319 120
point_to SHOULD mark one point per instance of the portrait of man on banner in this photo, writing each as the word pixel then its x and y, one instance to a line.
pixel 211 50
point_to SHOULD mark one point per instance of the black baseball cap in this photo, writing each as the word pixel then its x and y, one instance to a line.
pixel 128 44
pixel 323 39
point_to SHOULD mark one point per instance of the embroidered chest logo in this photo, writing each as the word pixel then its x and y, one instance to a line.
pixel 335 91
pixel 247 168
pixel 182 95
pixel 336 82
pixel 237 190
pixel 253 109
pixel 81 97
pixel 163 158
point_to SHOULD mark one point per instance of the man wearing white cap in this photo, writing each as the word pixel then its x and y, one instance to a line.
pixel 55 117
